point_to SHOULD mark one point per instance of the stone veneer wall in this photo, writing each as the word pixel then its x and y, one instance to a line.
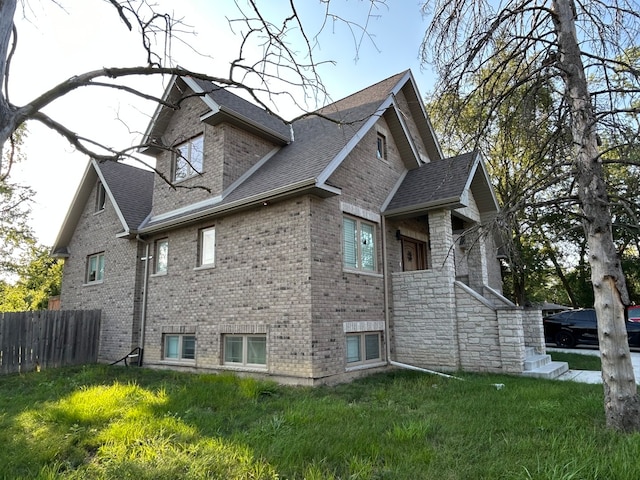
pixel 491 338
pixel 533 329
pixel 424 313
pixel 424 320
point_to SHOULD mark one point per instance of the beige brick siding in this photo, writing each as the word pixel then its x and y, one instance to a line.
pixel 116 296
pixel 260 283
pixel 228 153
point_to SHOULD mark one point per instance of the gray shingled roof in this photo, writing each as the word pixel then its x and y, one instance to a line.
pixel 317 142
pixel 238 106
pixel 132 190
pixel 433 184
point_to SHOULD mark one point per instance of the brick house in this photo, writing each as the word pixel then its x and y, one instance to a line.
pixel 310 253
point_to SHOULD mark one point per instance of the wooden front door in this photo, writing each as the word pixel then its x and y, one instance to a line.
pixel 414 254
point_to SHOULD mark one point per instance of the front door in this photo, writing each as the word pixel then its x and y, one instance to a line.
pixel 413 254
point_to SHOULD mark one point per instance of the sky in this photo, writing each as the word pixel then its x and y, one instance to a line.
pixel 57 40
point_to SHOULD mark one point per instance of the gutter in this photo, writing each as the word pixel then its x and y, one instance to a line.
pixel 272 195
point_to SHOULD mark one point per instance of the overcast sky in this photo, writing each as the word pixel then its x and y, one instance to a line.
pixel 55 44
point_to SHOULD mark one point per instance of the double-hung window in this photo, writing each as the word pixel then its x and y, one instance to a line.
pixel 95 268
pixel 359 249
pixel 179 347
pixel 363 348
pixel 189 159
pixel 207 241
pixel 245 350
pixel 161 256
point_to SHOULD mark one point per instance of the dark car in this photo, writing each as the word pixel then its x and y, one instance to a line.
pixel 574 327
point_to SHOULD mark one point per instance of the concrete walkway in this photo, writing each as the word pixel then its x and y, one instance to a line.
pixel 587 376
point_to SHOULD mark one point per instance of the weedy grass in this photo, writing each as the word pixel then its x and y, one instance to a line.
pixel 101 422
pixel 578 361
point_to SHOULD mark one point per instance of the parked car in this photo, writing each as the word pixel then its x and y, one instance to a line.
pixel 633 313
pixel 574 327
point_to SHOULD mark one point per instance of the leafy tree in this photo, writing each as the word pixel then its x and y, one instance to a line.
pixel 39 278
pixel 520 143
pixel 15 208
pixel 582 48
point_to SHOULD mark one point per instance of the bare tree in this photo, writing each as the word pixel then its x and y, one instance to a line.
pixel 286 66
pixel 584 47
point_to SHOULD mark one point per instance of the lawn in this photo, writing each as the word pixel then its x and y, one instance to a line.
pixel 115 423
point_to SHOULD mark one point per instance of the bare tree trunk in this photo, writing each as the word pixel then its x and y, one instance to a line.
pixel 622 407
pixel 7 119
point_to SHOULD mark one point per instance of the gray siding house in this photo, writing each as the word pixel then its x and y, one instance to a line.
pixel 309 253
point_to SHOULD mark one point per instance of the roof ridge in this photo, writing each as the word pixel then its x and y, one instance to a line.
pixel 360 92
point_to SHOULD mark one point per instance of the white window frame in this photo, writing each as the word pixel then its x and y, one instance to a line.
pixel 358 243
pixel 207 247
pixel 101 197
pixel 244 361
pixel 182 355
pixel 364 352
pixel 381 146
pixel 99 268
pixel 189 159
pixel 158 267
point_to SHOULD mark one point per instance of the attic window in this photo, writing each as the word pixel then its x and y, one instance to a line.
pixel 188 159
pixel 101 197
pixel 381 151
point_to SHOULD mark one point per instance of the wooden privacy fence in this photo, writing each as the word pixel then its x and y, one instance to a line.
pixel 48 339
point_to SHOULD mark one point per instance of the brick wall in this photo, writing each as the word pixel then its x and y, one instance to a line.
pixel 116 296
pixel 228 153
pixel 260 283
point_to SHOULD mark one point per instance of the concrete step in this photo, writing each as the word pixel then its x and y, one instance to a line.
pixel 549 371
pixel 531 362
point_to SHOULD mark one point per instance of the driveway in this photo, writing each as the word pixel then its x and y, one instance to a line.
pixel 585 376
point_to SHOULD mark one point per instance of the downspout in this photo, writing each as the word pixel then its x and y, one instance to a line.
pixel 385 289
pixel 143 309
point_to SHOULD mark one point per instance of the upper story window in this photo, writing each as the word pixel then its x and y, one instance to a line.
pixel 189 158
pixel 95 268
pixel 207 242
pixel 381 149
pixel 359 249
pixel 161 256
pixel 101 197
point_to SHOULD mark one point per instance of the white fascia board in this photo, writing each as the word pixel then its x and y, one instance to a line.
pixel 393 191
pixel 75 209
pixel 405 130
pixel 193 85
pixel 359 135
pixel 111 197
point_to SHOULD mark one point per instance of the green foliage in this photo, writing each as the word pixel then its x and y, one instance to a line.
pixel 15 207
pixel 39 277
pixel 105 422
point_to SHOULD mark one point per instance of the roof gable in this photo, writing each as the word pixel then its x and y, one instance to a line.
pixel 224 106
pixel 323 139
pixel 129 189
pixel 444 183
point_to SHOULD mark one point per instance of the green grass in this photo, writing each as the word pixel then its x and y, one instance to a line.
pixel 103 422
pixel 578 361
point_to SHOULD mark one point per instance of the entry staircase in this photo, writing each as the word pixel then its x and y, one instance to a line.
pixel 541 366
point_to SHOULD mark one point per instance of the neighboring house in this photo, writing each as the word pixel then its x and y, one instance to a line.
pixel 311 253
